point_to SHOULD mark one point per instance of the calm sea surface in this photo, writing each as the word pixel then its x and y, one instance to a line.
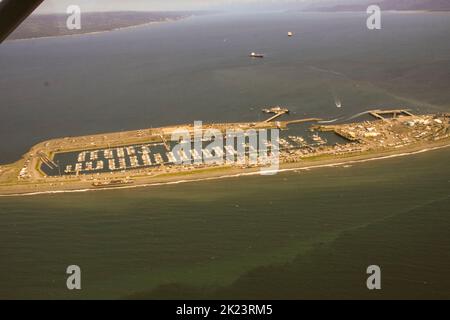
pixel 294 235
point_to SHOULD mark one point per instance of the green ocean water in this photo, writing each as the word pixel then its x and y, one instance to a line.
pixel 294 235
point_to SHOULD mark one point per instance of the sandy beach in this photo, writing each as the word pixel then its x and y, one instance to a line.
pixel 216 173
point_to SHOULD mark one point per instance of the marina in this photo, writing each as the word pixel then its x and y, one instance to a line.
pixel 156 151
pixel 314 140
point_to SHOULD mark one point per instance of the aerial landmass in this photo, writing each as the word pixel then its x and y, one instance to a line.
pixel 397 5
pixel 50 25
pixel 146 157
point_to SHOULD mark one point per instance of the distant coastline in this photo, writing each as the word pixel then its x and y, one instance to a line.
pixel 400 6
pixel 95 32
pixel 54 25
pixel 385 11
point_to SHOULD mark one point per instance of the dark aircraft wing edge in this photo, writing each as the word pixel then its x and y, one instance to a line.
pixel 13 13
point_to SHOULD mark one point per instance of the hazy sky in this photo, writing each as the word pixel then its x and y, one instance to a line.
pixel 112 5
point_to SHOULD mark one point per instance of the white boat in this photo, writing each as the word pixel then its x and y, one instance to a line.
pixel 256 55
pixel 99 165
pixel 171 157
pixel 111 164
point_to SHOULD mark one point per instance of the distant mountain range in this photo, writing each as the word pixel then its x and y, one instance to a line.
pixel 401 5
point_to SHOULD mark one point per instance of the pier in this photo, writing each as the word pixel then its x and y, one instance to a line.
pixel 278 112
pixel 47 161
pixel 286 123
pixel 164 141
pixel 395 113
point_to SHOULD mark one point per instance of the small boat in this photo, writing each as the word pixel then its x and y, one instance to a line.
pixel 316 138
pixel 256 55
pixel 290 34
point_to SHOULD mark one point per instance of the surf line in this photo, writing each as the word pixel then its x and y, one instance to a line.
pixel 237 175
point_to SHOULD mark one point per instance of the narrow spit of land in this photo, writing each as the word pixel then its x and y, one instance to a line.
pixel 145 157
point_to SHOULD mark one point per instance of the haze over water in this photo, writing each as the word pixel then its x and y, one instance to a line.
pixel 309 234
pixel 198 69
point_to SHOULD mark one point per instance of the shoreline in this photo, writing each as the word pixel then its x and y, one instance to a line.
pixel 386 11
pixel 283 169
pixel 99 32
